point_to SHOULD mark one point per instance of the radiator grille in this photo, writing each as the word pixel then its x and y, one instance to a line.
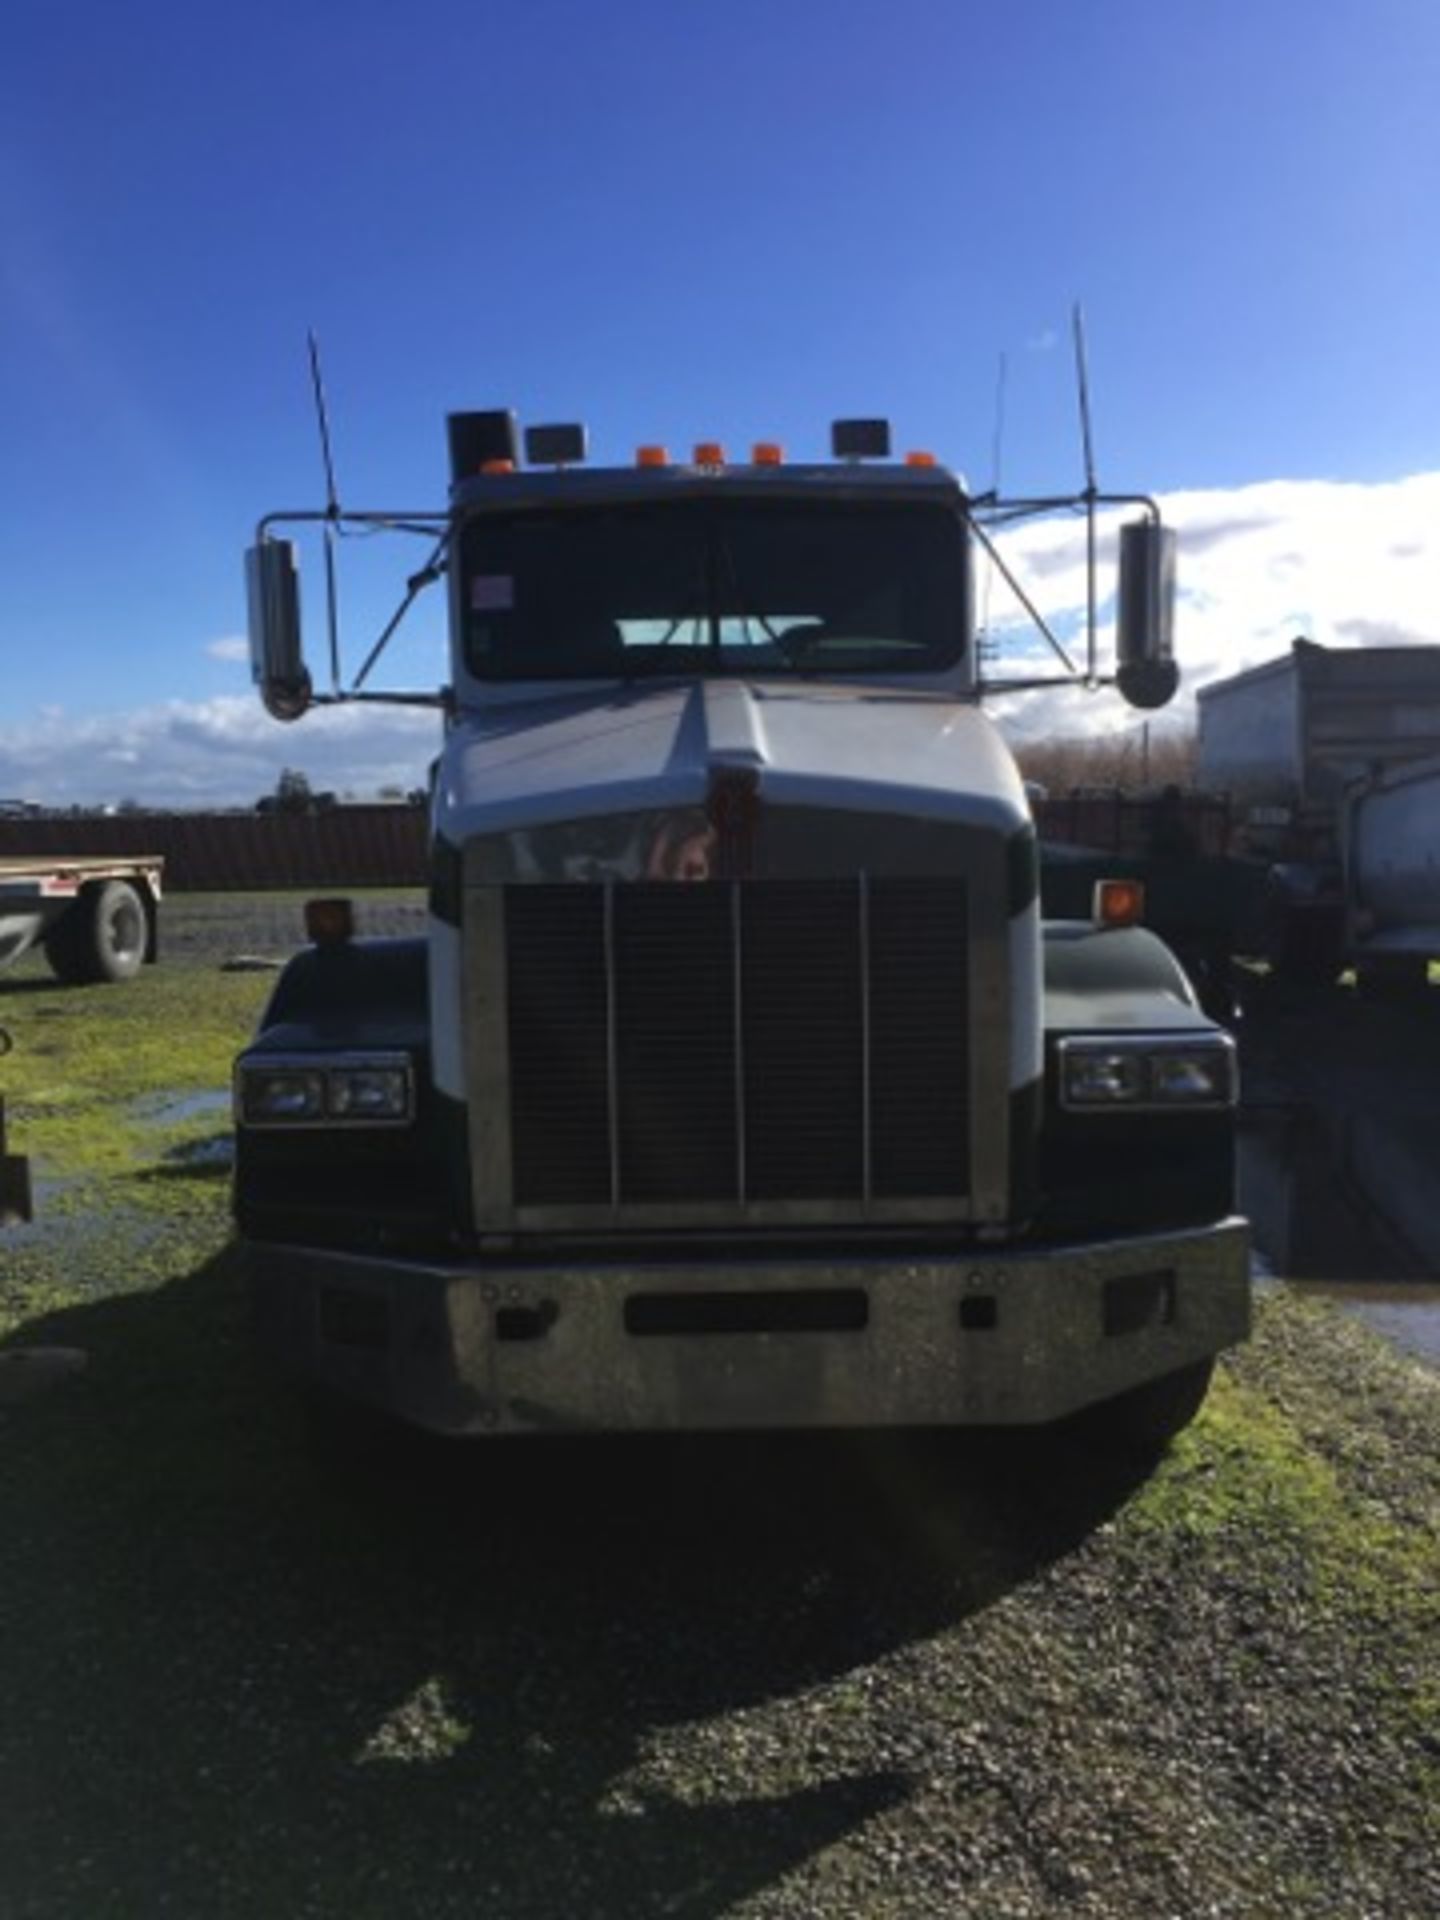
pixel 745 1041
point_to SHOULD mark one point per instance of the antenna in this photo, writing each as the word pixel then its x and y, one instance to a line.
pixel 996 444
pixel 1082 383
pixel 332 510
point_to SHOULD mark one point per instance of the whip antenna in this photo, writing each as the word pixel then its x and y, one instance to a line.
pixel 996 445
pixel 1082 383
pixel 332 510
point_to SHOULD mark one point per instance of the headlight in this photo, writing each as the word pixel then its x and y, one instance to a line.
pixel 346 1090
pixel 1152 1072
pixel 280 1096
pixel 369 1093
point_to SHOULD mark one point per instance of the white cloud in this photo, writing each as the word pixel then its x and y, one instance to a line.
pixel 232 646
pixel 1259 566
pixel 1344 564
pixel 220 752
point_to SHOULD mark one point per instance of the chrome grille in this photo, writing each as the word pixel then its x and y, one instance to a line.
pixel 752 1041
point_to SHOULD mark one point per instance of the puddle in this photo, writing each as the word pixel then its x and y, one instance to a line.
pixel 1408 1315
pixel 1346 1206
pixel 214 1154
pixel 174 1109
pixel 43 1225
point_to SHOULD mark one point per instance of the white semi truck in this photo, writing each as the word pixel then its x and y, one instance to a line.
pixel 738 1081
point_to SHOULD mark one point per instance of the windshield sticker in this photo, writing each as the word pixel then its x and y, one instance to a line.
pixel 492 593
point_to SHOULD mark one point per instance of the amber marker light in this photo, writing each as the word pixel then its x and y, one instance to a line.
pixel 709 453
pixel 919 459
pixel 497 466
pixel 767 453
pixel 1119 903
pixel 651 457
pixel 329 923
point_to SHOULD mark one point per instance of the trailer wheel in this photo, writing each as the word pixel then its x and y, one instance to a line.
pixel 1143 1422
pixel 102 937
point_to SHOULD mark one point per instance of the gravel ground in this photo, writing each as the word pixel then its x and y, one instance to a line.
pixel 887 1677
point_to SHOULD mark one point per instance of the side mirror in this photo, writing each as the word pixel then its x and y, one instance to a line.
pixel 277 664
pixel 1146 672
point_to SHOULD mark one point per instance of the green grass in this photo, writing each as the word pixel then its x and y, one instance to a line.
pixel 1245 1470
pixel 87 1060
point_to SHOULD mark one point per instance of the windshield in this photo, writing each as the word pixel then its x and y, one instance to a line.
pixel 714 587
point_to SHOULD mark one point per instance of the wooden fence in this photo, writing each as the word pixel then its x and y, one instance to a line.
pixel 241 852
pixel 386 846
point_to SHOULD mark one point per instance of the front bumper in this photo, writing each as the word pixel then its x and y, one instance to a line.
pixel 995 1337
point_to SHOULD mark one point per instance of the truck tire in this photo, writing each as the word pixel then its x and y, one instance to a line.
pixel 1143 1422
pixel 102 937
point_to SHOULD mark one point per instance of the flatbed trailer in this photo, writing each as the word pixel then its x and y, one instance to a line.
pixel 96 918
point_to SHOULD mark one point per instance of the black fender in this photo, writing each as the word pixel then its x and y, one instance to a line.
pixel 1116 1173
pixel 356 993
pixel 402 1188
pixel 1103 978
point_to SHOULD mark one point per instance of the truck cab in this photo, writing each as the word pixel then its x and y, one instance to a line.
pixel 738 1081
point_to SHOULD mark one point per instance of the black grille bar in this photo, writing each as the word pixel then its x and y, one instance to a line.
pixel 739 1042
pixel 919 1035
pixel 675 1043
pixel 558 1020
pixel 802 1039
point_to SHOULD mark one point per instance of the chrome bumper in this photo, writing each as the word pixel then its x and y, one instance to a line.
pixel 995 1337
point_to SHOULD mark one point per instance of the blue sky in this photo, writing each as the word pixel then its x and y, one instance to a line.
pixel 673 221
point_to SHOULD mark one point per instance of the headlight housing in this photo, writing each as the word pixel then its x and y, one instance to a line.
pixel 1147 1073
pixel 325 1090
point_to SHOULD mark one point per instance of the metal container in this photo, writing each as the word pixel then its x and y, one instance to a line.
pixel 1392 861
pixel 1294 732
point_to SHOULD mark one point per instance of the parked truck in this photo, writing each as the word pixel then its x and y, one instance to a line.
pixel 737 1082
pixel 95 918
pixel 1285 739
pixel 1330 757
pixel 1391 851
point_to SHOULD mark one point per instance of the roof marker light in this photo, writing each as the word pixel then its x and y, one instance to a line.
pixel 767 453
pixel 920 459
pixel 709 453
pixel 497 466
pixel 651 457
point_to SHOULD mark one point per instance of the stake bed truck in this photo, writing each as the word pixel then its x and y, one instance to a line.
pixel 95 917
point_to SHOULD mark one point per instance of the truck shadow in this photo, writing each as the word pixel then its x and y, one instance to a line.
pixel 242 1676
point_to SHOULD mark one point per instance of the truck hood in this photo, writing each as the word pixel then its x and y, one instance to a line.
pixel 860 749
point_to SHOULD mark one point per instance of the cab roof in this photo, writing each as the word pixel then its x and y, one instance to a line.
pixel 587 486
